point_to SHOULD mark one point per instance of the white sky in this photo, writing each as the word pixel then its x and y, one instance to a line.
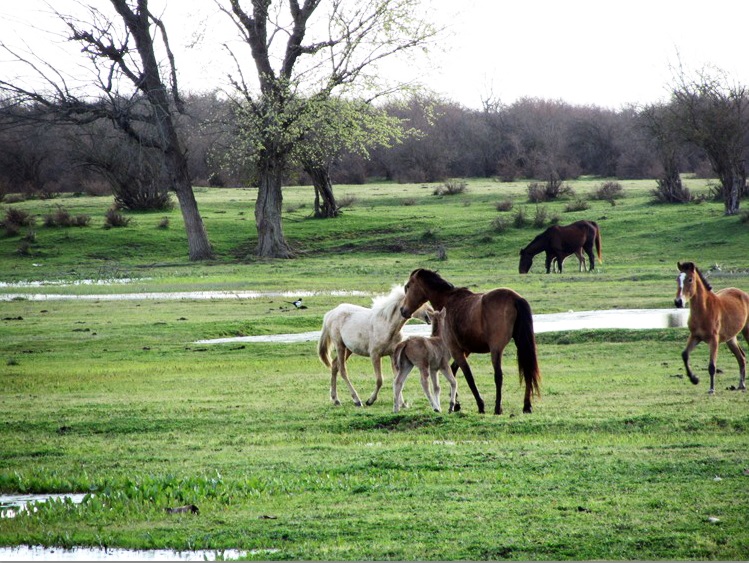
pixel 599 52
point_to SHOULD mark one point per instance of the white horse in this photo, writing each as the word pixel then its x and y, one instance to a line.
pixel 374 333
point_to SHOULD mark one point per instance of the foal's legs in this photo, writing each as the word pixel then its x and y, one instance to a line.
pixel 399 380
pixel 343 355
pixel 433 400
pixel 497 364
pixel 334 376
pixel 462 363
pixel 691 344
pixel 445 369
pixel 735 347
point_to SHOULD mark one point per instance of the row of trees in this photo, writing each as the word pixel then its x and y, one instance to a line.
pixel 297 122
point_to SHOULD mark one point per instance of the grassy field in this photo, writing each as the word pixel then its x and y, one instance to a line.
pixel 622 458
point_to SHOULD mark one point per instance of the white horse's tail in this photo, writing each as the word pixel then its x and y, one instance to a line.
pixel 323 346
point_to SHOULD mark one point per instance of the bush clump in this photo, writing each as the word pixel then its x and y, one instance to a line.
pixel 609 191
pixel 451 187
pixel 113 218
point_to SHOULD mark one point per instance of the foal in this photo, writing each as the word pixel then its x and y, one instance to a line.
pixel 429 355
pixel 713 318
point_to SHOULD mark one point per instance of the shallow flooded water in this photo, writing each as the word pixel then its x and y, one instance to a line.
pixel 553 322
pixel 176 295
pixel 38 553
pixel 13 504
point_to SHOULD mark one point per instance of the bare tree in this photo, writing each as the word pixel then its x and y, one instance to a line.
pixel 314 57
pixel 125 50
pixel 712 113
pixel 657 121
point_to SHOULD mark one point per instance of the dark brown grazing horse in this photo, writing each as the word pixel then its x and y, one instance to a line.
pixel 713 318
pixel 481 323
pixel 560 241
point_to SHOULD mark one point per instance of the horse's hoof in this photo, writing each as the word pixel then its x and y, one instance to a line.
pixel 370 402
pixel 437 410
pixel 457 407
pixel 711 392
pixel 336 403
pixel 694 380
pixel 528 410
pixel 357 403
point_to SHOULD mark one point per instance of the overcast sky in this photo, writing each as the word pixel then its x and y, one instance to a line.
pixel 605 53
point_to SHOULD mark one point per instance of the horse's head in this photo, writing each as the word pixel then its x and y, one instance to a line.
pixel 424 313
pixel 422 286
pixel 416 295
pixel 686 283
pixel 526 261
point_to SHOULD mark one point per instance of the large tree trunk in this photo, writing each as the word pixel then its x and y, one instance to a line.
pixel 733 185
pixel 197 240
pixel 325 203
pixel 270 239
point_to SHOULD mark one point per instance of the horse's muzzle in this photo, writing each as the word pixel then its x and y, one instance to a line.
pixel 404 313
pixel 679 303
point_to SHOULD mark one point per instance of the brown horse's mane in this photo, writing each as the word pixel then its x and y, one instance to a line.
pixel 432 279
pixel 693 266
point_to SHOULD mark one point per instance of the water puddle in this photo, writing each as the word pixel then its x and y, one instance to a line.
pixel 38 553
pixel 12 505
pixel 553 322
pixel 177 295
pixel 63 283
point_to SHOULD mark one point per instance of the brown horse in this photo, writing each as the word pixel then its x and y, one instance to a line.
pixel 713 318
pixel 481 323
pixel 561 241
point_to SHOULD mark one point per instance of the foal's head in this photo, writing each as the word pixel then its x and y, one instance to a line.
pixel 438 321
pixel 688 280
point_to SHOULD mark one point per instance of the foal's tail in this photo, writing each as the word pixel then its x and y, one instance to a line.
pixel 598 242
pixel 323 346
pixel 525 341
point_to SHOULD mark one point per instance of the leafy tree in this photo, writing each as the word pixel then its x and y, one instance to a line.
pixel 303 53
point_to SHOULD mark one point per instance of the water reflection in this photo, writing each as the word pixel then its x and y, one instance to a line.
pixel 553 322
pixel 38 553
pixel 12 505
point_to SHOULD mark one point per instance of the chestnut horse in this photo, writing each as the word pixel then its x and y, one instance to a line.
pixel 560 241
pixel 713 318
pixel 481 323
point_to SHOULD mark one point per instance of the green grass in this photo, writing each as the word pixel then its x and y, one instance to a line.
pixel 622 458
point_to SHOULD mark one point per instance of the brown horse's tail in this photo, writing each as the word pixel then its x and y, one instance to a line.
pixel 525 341
pixel 598 242
pixel 323 345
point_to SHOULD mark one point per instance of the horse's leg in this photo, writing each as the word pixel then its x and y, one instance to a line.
pixel 497 364
pixel 549 260
pixel 462 363
pixel 735 347
pixel 377 364
pixel 400 379
pixel 445 369
pixel 453 371
pixel 580 260
pixel 714 343
pixel 343 355
pixel 591 256
pixel 425 374
pixel 691 344
pixel 333 382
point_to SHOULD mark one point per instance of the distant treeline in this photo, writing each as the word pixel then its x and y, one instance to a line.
pixel 529 139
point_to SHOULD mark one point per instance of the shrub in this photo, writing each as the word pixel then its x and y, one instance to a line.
pixel 113 219
pixel 539 220
pixel 609 191
pixel 551 190
pixel 520 220
pixel 15 219
pixel 500 224
pixel 451 187
pixel 348 200
pixel 409 201
pixel 505 205
pixel 744 217
pixel 59 218
pixel 164 223
pixel 81 221
pixel 577 205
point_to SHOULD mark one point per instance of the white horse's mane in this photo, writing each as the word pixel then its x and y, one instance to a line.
pixel 387 305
